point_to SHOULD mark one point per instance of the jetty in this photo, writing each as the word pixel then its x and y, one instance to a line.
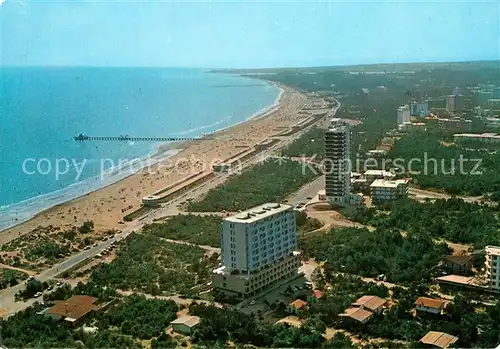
pixel 81 137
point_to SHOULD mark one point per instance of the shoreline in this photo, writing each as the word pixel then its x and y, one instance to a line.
pixel 160 154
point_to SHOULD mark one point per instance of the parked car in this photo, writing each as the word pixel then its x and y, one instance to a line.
pixel 38 294
pixel 59 283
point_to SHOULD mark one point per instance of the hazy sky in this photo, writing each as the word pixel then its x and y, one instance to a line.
pixel 246 34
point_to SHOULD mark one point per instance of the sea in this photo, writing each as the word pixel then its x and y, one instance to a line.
pixel 43 109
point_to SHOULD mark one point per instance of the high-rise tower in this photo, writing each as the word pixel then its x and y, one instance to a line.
pixel 337 161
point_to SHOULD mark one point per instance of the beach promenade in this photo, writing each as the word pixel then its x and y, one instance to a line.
pixel 105 207
pixel 253 132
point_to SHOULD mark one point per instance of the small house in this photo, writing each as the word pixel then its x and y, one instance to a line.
pixel 185 324
pixel 295 306
pixel 371 303
pixel 426 305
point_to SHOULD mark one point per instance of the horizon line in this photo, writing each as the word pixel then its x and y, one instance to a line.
pixel 259 68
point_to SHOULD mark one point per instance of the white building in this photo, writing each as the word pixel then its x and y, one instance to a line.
pixel 258 249
pixel 403 115
pixel 387 190
pixel 492 267
pixel 338 161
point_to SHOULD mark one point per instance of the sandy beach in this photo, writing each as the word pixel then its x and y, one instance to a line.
pixel 107 206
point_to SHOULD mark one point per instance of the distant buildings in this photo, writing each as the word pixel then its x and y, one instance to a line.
pixel 454 103
pixel 419 108
pixel 492 267
pixel 258 249
pixel 337 161
pixel 403 115
pixel 455 125
pixel 389 190
pixel 481 137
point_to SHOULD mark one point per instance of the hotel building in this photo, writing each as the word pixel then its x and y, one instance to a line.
pixel 388 190
pixel 492 267
pixel 338 161
pixel 258 250
pixel 403 115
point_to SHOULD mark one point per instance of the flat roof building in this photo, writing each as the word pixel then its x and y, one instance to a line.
pixel 388 190
pixel 455 125
pixel 258 249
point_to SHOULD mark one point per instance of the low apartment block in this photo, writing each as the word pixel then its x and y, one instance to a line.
pixel 455 125
pixel 258 250
pixel 388 190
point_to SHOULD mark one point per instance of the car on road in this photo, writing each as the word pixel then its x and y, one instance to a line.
pixel 94 245
pixel 38 294
pixel 309 198
pixel 87 247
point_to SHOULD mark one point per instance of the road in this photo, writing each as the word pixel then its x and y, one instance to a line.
pixel 7 295
pixel 310 190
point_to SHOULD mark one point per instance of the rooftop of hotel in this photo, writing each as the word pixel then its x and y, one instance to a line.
pixel 384 183
pixel 337 124
pixel 257 213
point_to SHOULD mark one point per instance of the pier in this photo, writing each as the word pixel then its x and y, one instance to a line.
pixel 82 137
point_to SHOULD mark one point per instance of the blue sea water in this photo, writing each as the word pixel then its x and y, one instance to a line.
pixel 42 109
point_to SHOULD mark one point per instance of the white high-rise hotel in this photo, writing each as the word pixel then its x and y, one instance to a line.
pixel 337 164
pixel 403 115
pixel 258 249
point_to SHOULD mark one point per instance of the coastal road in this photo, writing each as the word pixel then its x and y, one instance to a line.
pixel 7 295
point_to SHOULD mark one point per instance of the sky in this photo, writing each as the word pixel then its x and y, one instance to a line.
pixel 245 34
